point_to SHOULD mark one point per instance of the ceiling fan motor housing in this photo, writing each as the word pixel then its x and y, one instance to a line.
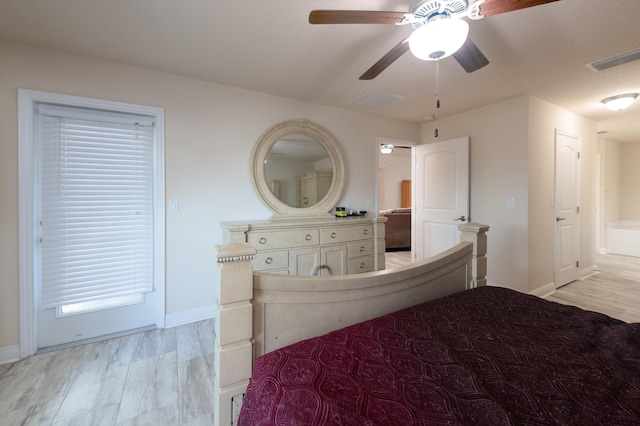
pixel 425 10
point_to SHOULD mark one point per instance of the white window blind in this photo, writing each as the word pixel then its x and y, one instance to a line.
pixel 97 218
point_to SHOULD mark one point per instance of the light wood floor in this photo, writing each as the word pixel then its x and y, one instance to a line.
pixel 614 291
pixel 164 377
pixel 157 377
pixel 397 258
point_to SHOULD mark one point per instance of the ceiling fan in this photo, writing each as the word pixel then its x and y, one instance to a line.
pixel 439 32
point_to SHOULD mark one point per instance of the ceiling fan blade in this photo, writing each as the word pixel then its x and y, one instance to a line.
pixel 382 64
pixel 470 57
pixel 496 7
pixel 354 17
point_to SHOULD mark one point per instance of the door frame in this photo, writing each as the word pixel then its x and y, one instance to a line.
pixel 28 278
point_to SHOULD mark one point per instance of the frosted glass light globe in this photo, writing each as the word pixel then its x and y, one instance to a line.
pixel 438 39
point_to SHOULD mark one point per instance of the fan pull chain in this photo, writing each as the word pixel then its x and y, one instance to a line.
pixel 435 132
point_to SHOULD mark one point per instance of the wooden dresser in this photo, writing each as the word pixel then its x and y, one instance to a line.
pixel 331 246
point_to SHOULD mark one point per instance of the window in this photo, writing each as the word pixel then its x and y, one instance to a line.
pixel 96 199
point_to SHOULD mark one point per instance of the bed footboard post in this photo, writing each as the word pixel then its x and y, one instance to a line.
pixel 476 234
pixel 234 328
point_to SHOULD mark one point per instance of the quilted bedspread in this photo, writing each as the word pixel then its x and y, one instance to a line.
pixel 488 356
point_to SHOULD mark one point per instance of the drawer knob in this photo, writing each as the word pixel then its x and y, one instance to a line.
pixel 333 235
pixel 308 237
pixel 262 240
pixel 268 261
pixel 365 232
pixel 361 248
pixel 361 265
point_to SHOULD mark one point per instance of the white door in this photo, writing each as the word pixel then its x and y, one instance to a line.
pixel 54 329
pixel 97 219
pixel 441 195
pixel 567 229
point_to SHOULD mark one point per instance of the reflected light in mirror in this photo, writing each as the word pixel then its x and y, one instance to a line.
pixel 290 158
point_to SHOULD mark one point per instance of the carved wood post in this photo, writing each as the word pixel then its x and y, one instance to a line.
pixel 477 234
pixel 234 329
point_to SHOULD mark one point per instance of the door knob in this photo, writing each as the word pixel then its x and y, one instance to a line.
pixel 462 218
pixel 558 218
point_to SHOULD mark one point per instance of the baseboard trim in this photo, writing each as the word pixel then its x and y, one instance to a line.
pixel 589 272
pixel 175 319
pixel 544 291
pixel 9 354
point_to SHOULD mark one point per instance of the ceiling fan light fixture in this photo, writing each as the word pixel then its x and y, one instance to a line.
pixel 618 102
pixel 386 148
pixel 438 39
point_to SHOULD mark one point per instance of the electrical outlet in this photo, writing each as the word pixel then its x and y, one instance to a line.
pixel 236 405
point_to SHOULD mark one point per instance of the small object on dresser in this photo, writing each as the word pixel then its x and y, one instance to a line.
pixel 341 212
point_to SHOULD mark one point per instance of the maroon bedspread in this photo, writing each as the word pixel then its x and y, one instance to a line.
pixel 488 356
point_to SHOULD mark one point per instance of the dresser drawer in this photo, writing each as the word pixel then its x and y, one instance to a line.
pixel 359 265
pixel 360 248
pixel 283 239
pixel 343 234
pixel 265 261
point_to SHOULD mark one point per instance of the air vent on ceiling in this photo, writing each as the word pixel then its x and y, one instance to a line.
pixel 376 100
pixel 614 61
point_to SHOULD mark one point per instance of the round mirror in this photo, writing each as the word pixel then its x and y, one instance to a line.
pixel 297 169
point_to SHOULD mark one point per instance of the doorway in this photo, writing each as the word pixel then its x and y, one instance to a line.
pixel 394 168
pixel 393 188
pixel 91 218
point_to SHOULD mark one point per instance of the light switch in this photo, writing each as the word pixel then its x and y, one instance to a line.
pixel 174 205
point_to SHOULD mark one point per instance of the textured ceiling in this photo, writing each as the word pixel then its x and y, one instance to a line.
pixel 269 46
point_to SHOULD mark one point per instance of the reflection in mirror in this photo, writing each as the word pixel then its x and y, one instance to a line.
pixel 298 170
pixel 314 163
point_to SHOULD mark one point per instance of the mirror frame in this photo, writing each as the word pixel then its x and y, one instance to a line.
pixel 259 181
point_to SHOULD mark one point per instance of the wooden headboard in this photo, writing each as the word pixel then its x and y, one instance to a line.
pixel 259 312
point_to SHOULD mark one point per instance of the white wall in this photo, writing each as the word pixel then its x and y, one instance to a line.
pixel 498 156
pixel 544 119
pixel 629 178
pixel 512 156
pixel 611 180
pixel 210 130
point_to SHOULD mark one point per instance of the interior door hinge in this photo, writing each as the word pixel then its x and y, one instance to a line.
pixel 577 263
pixel 578 155
pixel 578 209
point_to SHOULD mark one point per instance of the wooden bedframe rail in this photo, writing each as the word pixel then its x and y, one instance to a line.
pixel 258 312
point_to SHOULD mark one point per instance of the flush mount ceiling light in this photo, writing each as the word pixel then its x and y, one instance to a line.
pixel 440 37
pixel 618 102
pixel 386 148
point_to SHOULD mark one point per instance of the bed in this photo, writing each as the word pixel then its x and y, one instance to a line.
pixel 426 343
pixel 486 356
